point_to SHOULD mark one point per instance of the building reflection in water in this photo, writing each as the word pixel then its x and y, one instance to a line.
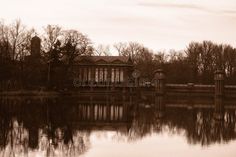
pixel 62 126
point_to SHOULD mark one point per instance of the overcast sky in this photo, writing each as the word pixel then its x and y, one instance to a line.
pixel 158 24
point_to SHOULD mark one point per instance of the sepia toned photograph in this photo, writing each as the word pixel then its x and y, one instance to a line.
pixel 117 78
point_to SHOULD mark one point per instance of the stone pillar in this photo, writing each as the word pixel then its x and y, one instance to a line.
pixel 125 76
pixel 190 95
pixel 159 78
pixel 159 82
pixel 136 74
pixel 159 106
pixel 219 94
pixel 91 80
pixel 109 75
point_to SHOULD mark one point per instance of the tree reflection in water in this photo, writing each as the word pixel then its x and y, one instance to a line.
pixel 201 127
pixel 17 139
pixel 17 143
pixel 63 128
pixel 197 125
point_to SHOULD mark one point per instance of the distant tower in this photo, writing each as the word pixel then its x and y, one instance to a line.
pixel 35 46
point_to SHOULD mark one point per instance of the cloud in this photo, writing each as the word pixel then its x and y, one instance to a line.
pixel 232 12
pixel 195 7
pixel 175 6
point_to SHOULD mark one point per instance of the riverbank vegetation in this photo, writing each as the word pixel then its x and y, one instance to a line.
pixel 59 48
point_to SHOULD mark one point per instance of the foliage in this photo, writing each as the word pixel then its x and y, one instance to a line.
pixel 60 48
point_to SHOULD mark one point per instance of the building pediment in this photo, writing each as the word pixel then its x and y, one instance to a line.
pixel 117 61
pixel 101 61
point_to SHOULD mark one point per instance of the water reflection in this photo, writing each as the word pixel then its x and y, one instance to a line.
pixel 54 143
pixel 63 126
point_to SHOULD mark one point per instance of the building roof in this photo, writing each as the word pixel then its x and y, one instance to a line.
pixel 103 60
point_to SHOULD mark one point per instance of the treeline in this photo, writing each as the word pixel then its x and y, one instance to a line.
pixel 60 47
pixel 197 63
pixel 54 64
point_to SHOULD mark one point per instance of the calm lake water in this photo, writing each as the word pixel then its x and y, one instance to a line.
pixel 105 126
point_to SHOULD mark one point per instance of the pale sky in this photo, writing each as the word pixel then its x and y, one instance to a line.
pixel 158 24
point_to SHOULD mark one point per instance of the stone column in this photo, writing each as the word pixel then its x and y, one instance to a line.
pixel 190 95
pixel 91 81
pixel 125 76
pixel 159 82
pixel 136 74
pixel 219 94
pixel 108 76
pixel 159 106
pixel 159 92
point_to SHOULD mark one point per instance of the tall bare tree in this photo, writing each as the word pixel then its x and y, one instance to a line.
pixel 50 45
pixel 18 38
pixel 74 44
pixel 102 50
pixel 131 49
pixel 50 37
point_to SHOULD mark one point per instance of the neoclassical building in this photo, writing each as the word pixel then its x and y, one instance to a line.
pixel 103 70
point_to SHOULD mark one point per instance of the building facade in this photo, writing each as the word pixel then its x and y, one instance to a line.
pixel 103 70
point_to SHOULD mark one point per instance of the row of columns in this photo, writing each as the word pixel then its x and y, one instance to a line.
pixel 159 78
pixel 100 112
pixel 102 74
pixel 107 111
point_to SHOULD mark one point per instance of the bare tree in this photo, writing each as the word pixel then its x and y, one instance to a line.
pixel 18 37
pixel 81 44
pixel 14 46
pixel 159 58
pixel 102 50
pixel 74 44
pixel 131 49
pixel 50 37
pixel 121 48
pixel 50 44
pixel 229 59
pixel 15 38
pixel 5 47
